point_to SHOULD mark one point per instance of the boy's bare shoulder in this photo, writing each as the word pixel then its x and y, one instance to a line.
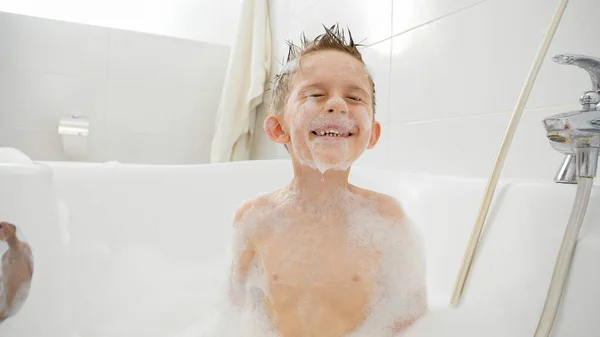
pixel 260 202
pixel 387 206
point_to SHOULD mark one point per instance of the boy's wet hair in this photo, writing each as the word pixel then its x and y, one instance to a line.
pixel 333 39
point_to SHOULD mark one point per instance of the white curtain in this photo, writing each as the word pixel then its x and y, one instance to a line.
pixel 247 72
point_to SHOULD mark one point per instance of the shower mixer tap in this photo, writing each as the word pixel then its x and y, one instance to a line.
pixel 576 134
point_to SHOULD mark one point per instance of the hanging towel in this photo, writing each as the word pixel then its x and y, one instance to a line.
pixel 247 72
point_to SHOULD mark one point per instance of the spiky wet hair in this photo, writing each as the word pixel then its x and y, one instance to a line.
pixel 333 39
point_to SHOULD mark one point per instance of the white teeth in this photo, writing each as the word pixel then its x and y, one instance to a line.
pixel 331 133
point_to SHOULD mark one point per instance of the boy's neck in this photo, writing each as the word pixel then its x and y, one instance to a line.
pixel 311 182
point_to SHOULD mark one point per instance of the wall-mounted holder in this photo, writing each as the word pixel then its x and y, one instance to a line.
pixel 74 132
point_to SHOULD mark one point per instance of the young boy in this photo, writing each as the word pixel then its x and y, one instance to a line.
pixel 321 257
pixel 16 272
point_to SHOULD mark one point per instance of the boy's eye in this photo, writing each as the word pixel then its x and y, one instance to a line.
pixel 315 95
pixel 354 98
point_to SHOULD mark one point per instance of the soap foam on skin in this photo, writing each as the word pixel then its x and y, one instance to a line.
pixel 19 300
pixel 399 272
pixel 290 66
pixel 325 154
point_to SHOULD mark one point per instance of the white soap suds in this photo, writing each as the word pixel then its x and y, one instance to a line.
pixel 398 269
pixel 10 155
pixel 399 293
pixel 20 298
pixel 290 66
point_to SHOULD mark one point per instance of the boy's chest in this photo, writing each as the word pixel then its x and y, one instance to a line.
pixel 317 251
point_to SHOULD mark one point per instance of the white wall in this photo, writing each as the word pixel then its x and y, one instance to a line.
pixel 150 98
pixel 449 73
pixel 201 20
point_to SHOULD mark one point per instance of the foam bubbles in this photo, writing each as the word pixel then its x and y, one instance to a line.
pixel 290 66
pixel 20 298
pixel 396 267
pixel 399 292
pixel 10 155
pixel 322 154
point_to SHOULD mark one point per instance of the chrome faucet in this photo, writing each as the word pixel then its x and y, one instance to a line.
pixel 577 133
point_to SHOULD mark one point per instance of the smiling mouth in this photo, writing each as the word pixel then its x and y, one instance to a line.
pixel 331 133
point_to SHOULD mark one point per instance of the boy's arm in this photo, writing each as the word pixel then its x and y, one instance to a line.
pixel 391 208
pixel 243 254
pixel 420 303
pixel 18 270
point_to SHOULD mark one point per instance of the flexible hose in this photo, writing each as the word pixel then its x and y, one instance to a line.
pixel 510 132
pixel 565 257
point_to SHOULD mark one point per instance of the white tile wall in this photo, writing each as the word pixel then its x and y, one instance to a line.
pixel 152 57
pixel 378 58
pixel 35 99
pixel 456 69
pixel 143 148
pixel 51 46
pixel 206 21
pixel 467 63
pixel 160 107
pixel 358 14
pixel 409 14
pixel 149 98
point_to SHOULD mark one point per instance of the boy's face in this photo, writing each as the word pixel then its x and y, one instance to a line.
pixel 328 118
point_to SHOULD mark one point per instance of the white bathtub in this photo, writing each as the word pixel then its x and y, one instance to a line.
pixel 141 251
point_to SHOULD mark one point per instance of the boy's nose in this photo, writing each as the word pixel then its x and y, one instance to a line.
pixel 336 104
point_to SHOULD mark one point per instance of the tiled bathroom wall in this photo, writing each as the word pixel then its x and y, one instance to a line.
pixel 149 98
pixel 198 20
pixel 448 75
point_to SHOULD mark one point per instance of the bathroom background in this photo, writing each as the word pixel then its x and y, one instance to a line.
pixel 149 75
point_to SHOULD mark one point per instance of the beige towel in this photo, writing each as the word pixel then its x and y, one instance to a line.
pixel 247 72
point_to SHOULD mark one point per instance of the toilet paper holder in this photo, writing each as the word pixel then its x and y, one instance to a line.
pixel 74 126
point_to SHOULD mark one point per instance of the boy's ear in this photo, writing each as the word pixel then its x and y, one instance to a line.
pixel 274 129
pixel 375 134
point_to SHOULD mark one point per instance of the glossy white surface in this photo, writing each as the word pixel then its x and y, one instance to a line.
pixel 146 248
